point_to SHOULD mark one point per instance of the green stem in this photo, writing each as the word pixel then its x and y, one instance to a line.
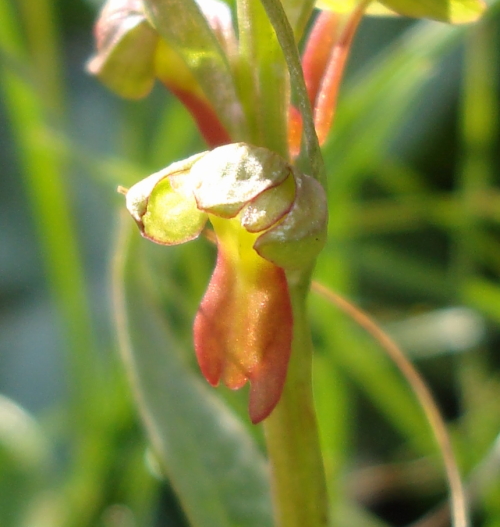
pixel 298 477
pixel 263 82
pixel 285 35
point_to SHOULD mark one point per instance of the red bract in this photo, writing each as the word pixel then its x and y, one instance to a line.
pixel 204 115
pixel 323 63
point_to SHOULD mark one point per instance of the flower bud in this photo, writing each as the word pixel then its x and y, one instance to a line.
pixel 126 47
pixel 131 55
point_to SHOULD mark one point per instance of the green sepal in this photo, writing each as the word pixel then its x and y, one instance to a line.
pixel 126 47
pixel 230 176
pixel 171 218
pixel 269 207
pixel 297 240
pixel 164 207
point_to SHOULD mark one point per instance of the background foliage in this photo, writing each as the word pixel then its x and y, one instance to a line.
pixel 414 238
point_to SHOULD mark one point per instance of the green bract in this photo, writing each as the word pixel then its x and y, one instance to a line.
pixel 256 186
pixel 163 205
pixel 452 11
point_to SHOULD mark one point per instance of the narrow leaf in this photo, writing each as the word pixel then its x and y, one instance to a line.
pixel 452 11
pixel 215 468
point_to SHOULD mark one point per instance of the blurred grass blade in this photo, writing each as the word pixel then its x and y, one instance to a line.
pixel 22 438
pixel 422 393
pixel 44 170
pixel 331 400
pixel 375 102
pixel 349 514
pixel 211 461
pixel 479 120
pixel 25 462
pixel 482 295
pixel 358 359
pixel 43 40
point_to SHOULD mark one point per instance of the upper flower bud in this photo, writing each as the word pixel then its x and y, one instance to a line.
pixel 131 54
pixel 126 46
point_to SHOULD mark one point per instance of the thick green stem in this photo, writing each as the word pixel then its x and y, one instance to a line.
pixel 286 39
pixel 298 478
pixel 263 81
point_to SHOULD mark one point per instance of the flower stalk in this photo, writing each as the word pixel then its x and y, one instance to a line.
pixel 298 478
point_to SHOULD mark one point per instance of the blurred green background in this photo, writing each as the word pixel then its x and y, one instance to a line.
pixel 413 166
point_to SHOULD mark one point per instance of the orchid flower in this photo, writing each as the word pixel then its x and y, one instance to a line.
pixel 131 53
pixel 258 205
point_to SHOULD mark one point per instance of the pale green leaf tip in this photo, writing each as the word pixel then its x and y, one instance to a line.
pixel 449 11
